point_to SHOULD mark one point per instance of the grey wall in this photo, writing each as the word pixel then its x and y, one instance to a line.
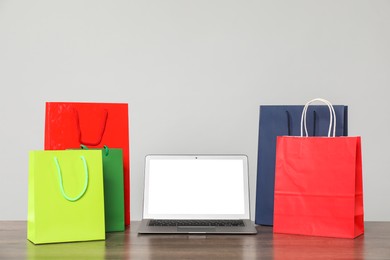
pixel 194 74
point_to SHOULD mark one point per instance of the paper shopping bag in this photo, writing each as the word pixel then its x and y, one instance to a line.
pixel 69 125
pixel 113 188
pixel 285 120
pixel 65 196
pixel 318 184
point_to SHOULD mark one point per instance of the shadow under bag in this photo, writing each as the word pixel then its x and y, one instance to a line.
pixel 277 120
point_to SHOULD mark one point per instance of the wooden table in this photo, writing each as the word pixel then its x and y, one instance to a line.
pixel 374 244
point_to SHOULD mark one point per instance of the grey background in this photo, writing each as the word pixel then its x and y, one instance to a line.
pixel 194 74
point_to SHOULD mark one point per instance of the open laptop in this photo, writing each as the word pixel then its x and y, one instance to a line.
pixel 196 194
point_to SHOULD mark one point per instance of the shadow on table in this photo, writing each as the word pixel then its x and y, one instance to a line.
pixel 71 250
pixel 287 247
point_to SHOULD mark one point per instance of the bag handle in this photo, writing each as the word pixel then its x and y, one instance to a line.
pixel 332 119
pixel 288 123
pixel 105 147
pixel 314 122
pixel 103 128
pixel 62 185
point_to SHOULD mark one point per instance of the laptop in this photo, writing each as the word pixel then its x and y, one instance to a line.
pixel 196 194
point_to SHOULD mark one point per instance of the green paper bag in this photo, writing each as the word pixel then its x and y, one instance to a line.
pixel 65 196
pixel 113 188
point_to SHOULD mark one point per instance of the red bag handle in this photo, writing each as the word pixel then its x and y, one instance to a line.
pixel 331 121
pixel 103 128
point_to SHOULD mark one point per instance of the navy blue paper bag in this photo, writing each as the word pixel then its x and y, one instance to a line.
pixel 286 120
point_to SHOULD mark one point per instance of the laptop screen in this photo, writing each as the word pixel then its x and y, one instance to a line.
pixel 196 187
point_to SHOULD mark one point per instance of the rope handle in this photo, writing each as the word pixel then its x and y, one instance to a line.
pixel 105 147
pixel 62 185
pixel 332 120
pixel 103 128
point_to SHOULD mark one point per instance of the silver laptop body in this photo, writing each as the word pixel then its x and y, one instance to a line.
pixel 196 194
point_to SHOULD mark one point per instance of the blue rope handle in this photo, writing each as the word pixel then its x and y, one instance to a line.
pixel 62 185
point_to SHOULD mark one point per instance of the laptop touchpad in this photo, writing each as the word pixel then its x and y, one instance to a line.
pixel 195 229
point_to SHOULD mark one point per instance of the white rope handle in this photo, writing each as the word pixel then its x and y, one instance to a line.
pixel 331 121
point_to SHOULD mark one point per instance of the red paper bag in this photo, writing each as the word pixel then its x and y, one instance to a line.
pixel 69 125
pixel 318 184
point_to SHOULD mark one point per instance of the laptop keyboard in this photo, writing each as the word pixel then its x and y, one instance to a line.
pixel 196 223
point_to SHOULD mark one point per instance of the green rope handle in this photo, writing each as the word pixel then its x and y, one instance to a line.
pixel 83 147
pixel 106 150
pixel 62 185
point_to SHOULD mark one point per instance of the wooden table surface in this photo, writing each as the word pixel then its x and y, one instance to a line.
pixel 374 244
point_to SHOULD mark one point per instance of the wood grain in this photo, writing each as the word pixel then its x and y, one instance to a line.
pixel 374 244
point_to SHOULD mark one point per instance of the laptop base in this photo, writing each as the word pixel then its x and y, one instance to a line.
pixel 248 228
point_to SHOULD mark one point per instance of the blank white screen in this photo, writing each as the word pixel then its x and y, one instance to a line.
pixel 196 186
